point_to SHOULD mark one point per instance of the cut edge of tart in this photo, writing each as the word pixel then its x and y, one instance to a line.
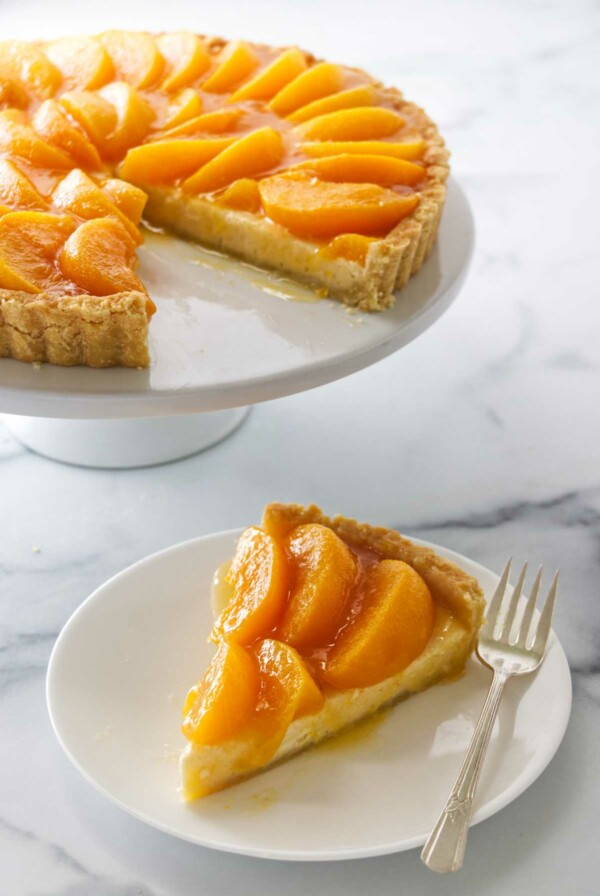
pixel 309 168
pixel 206 767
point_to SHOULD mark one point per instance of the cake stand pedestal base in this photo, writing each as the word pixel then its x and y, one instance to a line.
pixel 124 443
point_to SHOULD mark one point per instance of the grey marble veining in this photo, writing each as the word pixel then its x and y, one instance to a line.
pixel 483 435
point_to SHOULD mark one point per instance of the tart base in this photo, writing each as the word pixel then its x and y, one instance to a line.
pixel 111 331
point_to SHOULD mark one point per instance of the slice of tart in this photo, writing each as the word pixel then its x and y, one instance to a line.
pixel 313 169
pixel 319 623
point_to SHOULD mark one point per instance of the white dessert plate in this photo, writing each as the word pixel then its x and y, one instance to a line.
pixel 122 665
pixel 226 334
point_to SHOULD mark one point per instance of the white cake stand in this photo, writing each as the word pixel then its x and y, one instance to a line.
pixel 225 336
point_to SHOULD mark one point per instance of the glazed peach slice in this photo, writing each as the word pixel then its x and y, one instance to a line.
pixel 185 56
pixel 183 106
pixel 135 57
pixel 258 576
pixel 368 169
pixel 12 94
pixel 324 571
pixel 53 124
pixel 29 244
pixel 366 95
pixel 166 161
pixel 314 208
pixel 351 246
pixel 284 662
pixel 391 629
pixel 28 65
pixel 236 62
pixel 242 195
pixel 78 194
pixel 313 84
pixel 223 699
pixel 130 200
pixel 287 692
pixel 273 78
pixel 134 117
pixel 411 150
pixel 99 257
pixel 364 123
pixel 16 190
pixel 218 122
pixel 96 115
pixel 252 154
pixel 82 61
pixel 20 139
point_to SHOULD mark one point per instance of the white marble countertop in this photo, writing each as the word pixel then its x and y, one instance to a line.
pixel 482 435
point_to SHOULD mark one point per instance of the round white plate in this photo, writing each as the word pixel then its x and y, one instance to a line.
pixel 123 663
pixel 221 338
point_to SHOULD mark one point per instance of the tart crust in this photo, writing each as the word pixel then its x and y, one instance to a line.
pixel 459 615
pixel 67 330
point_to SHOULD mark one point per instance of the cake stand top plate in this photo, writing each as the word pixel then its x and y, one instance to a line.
pixel 224 336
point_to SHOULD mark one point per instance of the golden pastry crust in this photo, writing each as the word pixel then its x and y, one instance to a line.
pixel 69 330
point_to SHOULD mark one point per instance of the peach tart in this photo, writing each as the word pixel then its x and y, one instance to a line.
pixel 319 624
pixel 313 169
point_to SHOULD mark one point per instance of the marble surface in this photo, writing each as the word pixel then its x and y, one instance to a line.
pixel 483 435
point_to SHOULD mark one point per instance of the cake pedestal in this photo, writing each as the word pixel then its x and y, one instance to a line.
pixel 125 443
pixel 225 336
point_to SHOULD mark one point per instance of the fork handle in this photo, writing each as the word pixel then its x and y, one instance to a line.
pixel 445 848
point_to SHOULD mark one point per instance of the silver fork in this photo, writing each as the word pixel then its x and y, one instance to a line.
pixel 506 656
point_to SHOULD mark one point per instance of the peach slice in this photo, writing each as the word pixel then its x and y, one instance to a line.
pixel 16 190
pixel 52 123
pixel 351 246
pixel 282 662
pixel 12 94
pixel 242 195
pixel 166 161
pixel 77 193
pixel 236 62
pixel 411 150
pixel 185 56
pixel 28 65
pixel 390 630
pixel 310 207
pixel 97 116
pixel 357 169
pixel 324 570
pixel 29 244
pixel 21 140
pixel 183 106
pixel 218 122
pixel 252 154
pixel 347 99
pixel 224 698
pixel 128 199
pixel 99 257
pixel 313 84
pixel 82 61
pixel 364 123
pixel 273 78
pixel 134 117
pixel 135 57
pixel 258 576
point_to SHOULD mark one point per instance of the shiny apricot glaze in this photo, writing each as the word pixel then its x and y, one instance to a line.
pixel 308 614
pixel 222 120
